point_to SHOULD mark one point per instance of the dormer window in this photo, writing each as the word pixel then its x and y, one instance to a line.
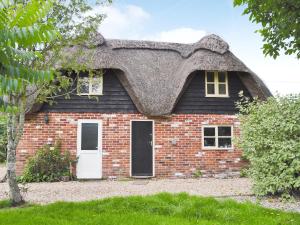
pixel 90 85
pixel 216 84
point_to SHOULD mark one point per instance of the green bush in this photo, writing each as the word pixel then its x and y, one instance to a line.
pixel 49 164
pixel 197 173
pixel 3 138
pixel 270 139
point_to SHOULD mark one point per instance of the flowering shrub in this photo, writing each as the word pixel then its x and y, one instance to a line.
pixel 270 139
pixel 49 164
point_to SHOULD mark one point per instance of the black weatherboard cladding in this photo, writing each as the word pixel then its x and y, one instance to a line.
pixel 114 99
pixel 193 99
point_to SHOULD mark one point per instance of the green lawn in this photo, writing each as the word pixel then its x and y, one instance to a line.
pixel 157 209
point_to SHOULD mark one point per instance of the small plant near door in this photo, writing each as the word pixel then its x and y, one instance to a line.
pixel 49 164
pixel 197 173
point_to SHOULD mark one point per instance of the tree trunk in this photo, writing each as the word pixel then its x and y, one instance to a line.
pixel 14 190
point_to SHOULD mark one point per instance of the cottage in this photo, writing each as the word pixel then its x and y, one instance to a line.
pixel 161 110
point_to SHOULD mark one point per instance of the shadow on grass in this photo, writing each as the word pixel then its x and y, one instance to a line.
pixel 6 204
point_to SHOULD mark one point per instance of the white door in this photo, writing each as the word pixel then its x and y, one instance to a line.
pixel 89 149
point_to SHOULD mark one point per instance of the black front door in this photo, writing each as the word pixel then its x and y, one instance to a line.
pixel 141 148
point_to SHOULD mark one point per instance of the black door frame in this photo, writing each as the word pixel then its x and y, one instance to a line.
pixel 153 152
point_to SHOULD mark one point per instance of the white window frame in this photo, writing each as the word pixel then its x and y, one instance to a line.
pixel 91 79
pixel 217 137
pixel 216 84
pixel 79 130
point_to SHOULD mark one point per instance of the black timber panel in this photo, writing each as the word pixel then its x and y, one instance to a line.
pixel 114 99
pixel 141 148
pixel 193 98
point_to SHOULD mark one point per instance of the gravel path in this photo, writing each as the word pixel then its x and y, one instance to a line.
pixel 274 203
pixel 238 189
pixel 88 190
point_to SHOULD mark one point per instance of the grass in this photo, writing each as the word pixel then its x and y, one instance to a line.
pixel 5 204
pixel 160 209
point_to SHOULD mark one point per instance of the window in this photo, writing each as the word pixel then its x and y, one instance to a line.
pixel 90 85
pixel 216 84
pixel 217 137
pixel 89 136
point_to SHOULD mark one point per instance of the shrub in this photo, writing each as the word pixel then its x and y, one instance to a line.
pixel 3 138
pixel 244 172
pixel 49 164
pixel 270 139
pixel 197 173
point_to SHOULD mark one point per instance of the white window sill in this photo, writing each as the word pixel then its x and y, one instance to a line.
pixel 89 94
pixel 217 96
pixel 217 149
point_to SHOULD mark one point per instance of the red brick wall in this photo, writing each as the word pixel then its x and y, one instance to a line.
pixel 171 160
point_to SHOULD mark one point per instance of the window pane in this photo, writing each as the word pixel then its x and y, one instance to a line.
pixel 222 77
pixel 210 89
pixel 83 85
pixel 96 83
pixel 224 142
pixel 209 131
pixel 222 89
pixel 224 131
pixel 89 136
pixel 210 77
pixel 209 142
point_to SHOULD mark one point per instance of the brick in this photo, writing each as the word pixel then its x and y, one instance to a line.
pixel 182 157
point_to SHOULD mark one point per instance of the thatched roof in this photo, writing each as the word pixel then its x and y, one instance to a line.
pixel 154 73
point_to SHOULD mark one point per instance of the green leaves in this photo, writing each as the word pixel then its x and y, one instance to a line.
pixel 31 13
pixel 271 142
pixel 31 36
pixel 3 138
pixel 24 33
pixel 280 20
pixel 49 164
pixel 6 3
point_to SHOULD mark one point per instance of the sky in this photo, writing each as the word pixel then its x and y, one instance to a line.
pixel 187 21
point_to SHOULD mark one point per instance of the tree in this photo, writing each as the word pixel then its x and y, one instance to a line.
pixel 270 139
pixel 3 139
pixel 23 31
pixel 29 31
pixel 76 25
pixel 280 20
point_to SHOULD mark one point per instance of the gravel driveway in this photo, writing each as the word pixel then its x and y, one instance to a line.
pixel 88 190
pixel 238 189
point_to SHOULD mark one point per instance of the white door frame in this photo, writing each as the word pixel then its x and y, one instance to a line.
pixel 99 151
pixel 153 148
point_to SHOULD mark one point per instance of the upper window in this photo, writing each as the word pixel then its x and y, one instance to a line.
pixel 216 84
pixel 217 137
pixel 90 85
